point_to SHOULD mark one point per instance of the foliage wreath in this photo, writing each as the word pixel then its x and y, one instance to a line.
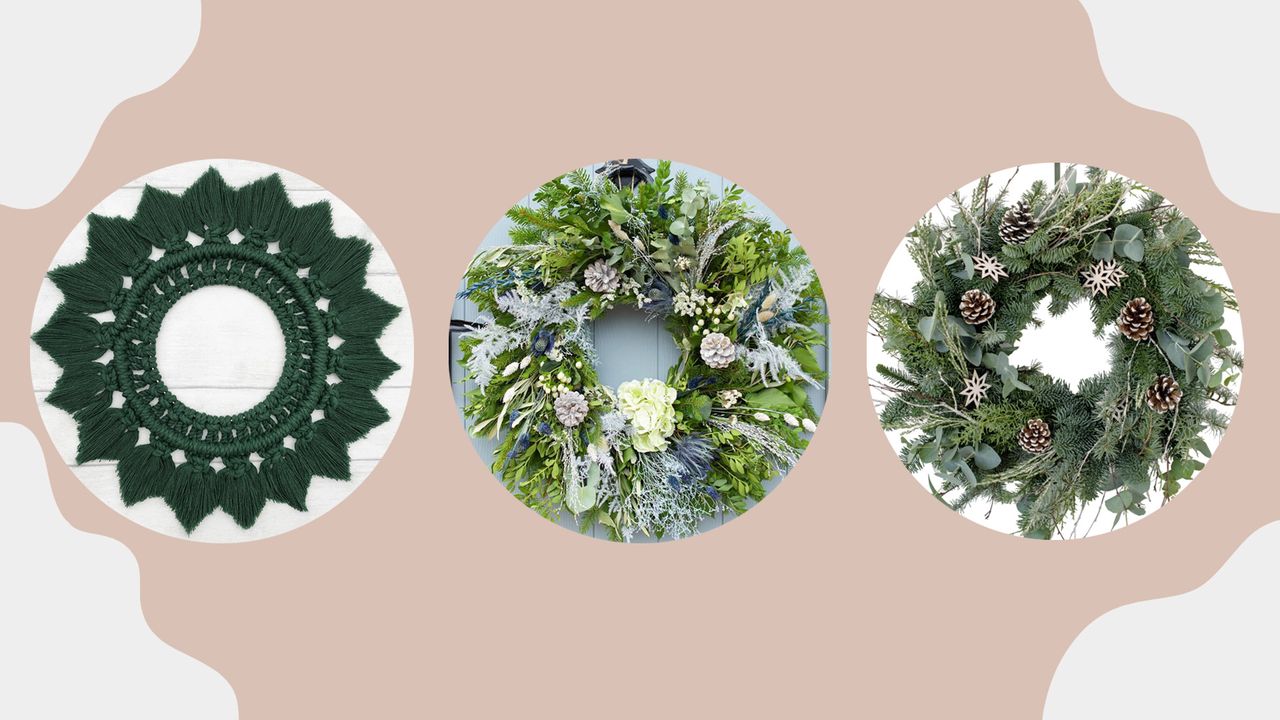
pixel 192 234
pixel 654 457
pixel 1005 434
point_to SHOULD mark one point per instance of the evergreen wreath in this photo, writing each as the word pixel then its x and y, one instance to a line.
pixel 653 457
pixel 137 268
pixel 995 432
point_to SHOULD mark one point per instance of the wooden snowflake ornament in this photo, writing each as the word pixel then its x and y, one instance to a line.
pixel 975 389
pixel 1103 276
pixel 989 267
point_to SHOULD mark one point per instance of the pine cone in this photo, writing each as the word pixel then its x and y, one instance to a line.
pixel 1164 395
pixel 717 350
pixel 1035 436
pixel 976 307
pixel 571 408
pixel 1018 224
pixel 601 278
pixel 1137 321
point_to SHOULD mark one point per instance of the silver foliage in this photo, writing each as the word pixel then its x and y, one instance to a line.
pixel 766 442
pixel 492 340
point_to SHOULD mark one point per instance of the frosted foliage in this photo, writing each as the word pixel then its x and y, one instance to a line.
pixel 534 311
pixel 792 284
pixel 773 364
pixel 766 442
pixel 491 341
pixel 654 503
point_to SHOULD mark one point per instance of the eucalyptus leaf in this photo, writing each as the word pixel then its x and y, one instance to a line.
pixel 925 326
pixel 966 272
pixel 1174 348
pixel 1103 248
pixel 1127 233
pixel 986 458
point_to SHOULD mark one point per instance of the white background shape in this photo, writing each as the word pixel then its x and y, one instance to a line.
pixel 1211 653
pixel 67 65
pixel 1065 345
pixel 233 389
pixel 1213 64
pixel 75 644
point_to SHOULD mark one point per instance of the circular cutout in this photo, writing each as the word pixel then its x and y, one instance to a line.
pixel 212 352
pixel 1000 436
pixel 717 390
pixel 220 336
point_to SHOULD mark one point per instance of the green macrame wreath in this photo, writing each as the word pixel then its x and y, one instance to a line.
pixel 652 457
pixel 287 256
pixel 997 433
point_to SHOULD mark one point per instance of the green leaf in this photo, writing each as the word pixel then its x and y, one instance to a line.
pixel 926 327
pixel 1174 347
pixel 771 399
pixel 1129 242
pixel 1126 233
pixel 965 273
pixel 1203 349
pixel 1103 248
pixel 700 405
pixel 808 361
pixel 1202 447
pixel 613 205
pixel 972 352
pixel 985 457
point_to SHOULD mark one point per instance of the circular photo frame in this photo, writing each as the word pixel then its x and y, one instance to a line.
pixel 713 413
pixel 1055 349
pixel 169 400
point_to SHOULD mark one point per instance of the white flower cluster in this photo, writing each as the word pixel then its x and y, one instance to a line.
pixel 688 302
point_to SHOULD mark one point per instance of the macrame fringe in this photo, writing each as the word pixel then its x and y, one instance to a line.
pixel 365 314
pixel 261 206
pixel 341 269
pixel 71 337
pixel 285 479
pixel 212 205
pixel 363 364
pixel 243 492
pixel 324 454
pixel 86 286
pixel 352 412
pixel 79 387
pixel 114 243
pixel 145 472
pixel 211 209
pixel 104 434
pixel 161 218
pixel 193 493
pixel 307 232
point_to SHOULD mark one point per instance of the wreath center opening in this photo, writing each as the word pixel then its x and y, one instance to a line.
pixel 220 350
pixel 1064 345
pixel 632 346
